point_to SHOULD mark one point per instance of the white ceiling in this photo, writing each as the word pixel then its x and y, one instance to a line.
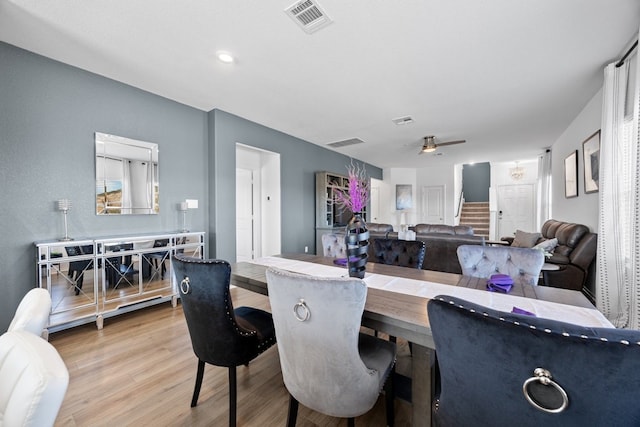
pixel 508 76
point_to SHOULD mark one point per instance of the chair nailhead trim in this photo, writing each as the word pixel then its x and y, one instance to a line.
pixel 547 330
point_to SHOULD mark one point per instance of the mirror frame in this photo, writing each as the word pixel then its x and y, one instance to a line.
pixel 132 189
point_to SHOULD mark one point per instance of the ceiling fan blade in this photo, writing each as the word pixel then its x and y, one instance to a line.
pixel 460 141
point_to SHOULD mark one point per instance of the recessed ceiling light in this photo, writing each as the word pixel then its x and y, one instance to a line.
pixel 225 57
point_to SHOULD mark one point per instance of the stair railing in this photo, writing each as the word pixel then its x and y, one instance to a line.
pixel 460 203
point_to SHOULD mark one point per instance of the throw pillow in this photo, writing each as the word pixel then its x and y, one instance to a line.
pixel 547 246
pixel 525 240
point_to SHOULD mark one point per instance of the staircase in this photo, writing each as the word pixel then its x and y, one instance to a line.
pixel 476 215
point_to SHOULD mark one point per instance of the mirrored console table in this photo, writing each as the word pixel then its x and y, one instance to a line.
pixel 91 279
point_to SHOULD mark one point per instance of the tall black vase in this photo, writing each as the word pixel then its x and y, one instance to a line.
pixel 357 242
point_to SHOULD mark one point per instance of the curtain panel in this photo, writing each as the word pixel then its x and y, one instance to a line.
pixel 618 265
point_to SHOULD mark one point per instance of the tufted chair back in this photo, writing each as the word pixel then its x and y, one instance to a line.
pixel 32 314
pixel 333 245
pixel 485 357
pixel 405 253
pixel 522 264
pixel 327 365
pixel 33 380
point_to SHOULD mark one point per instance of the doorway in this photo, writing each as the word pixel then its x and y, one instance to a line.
pixel 258 215
pixel 516 210
pixel 432 204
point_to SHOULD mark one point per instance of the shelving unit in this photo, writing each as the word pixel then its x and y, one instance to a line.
pixel 328 217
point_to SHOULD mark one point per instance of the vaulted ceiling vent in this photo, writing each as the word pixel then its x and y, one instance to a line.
pixel 308 15
pixel 345 142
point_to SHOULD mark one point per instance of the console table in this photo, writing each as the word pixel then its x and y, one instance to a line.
pixel 93 278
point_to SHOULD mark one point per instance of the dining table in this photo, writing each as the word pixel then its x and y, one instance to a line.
pixel 397 299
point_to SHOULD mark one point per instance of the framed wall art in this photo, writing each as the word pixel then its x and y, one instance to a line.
pixel 591 159
pixel 404 198
pixel 571 175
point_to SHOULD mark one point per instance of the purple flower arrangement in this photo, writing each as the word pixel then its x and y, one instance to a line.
pixel 356 196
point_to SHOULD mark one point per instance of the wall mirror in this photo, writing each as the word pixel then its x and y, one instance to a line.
pixel 126 176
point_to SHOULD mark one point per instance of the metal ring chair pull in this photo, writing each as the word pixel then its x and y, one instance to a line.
pixel 185 285
pixel 544 377
pixel 301 311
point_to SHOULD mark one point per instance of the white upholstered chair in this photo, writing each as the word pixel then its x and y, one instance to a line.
pixel 522 264
pixel 33 380
pixel 32 313
pixel 327 364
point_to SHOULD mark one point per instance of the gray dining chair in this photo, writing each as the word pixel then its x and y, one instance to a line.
pixel 522 264
pixel 333 245
pixel 504 369
pixel 327 364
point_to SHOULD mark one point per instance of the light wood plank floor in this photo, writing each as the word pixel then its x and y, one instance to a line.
pixel 140 370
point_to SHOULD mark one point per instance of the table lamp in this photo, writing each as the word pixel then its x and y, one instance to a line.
pixel 64 205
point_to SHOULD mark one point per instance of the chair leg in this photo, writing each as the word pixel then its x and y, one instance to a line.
pixel 351 422
pixel 390 395
pixel 233 394
pixel 293 411
pixel 196 390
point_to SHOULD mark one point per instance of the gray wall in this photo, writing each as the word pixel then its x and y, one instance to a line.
pixel 48 115
pixel 299 160
pixel 476 180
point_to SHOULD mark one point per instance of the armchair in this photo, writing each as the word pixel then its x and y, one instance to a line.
pixel 574 253
pixel 33 380
pixel 32 314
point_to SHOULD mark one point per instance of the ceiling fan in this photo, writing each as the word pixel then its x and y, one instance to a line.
pixel 430 145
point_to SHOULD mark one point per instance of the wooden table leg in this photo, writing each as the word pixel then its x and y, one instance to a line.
pixel 421 385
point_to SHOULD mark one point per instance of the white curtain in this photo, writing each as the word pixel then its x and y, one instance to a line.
pixel 618 266
pixel 544 188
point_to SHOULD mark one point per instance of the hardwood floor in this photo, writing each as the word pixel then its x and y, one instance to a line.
pixel 140 370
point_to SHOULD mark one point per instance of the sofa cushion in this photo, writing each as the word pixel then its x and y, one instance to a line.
pixel 443 229
pixel 465 230
pixel 379 228
pixel 547 245
pixel 525 240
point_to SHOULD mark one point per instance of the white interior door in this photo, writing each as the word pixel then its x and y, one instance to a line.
pixel 516 210
pixel 375 205
pixel 432 204
pixel 244 215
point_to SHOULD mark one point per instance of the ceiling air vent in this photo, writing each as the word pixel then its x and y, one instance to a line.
pixel 345 142
pixel 402 120
pixel 308 15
